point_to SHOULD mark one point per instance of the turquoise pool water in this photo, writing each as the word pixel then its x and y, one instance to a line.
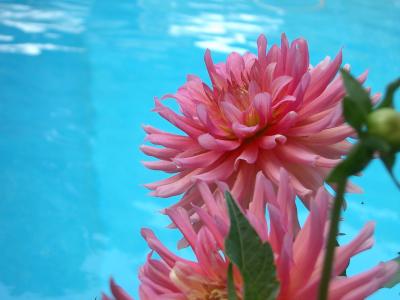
pixel 77 82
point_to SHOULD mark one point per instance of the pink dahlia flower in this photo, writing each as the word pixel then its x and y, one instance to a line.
pixel 298 251
pixel 260 114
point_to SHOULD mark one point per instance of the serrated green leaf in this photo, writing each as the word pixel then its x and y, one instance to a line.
pixel 389 160
pixel 231 285
pixel 358 104
pixel 254 259
pixel 390 90
pixel 396 278
pixel 357 159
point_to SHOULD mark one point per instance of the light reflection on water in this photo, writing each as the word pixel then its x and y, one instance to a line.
pixel 78 79
pixel 40 24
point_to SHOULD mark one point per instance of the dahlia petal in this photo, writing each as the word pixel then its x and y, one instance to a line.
pixel 254 89
pixel 221 172
pixel 155 273
pixel 118 292
pixel 257 205
pixel 189 198
pixel 270 166
pixel 262 104
pixel 243 183
pixel 269 191
pixel 284 52
pixel 305 180
pixel 169 140
pixel 181 122
pixel 296 153
pixel 352 188
pixel 231 112
pixel 235 66
pixel 273 54
pixel 155 185
pixel 362 242
pixel 302 88
pixel 336 117
pixel 207 254
pixel 216 79
pixel 363 77
pixel 277 230
pixel 186 104
pixel 105 297
pixel 285 194
pixel 267 76
pixel 362 285
pixel 376 98
pixel 168 257
pixel 210 223
pixel 198 161
pixel 330 135
pixel 203 116
pixel 211 143
pixel 278 85
pixel 150 129
pixel 152 284
pixel 286 104
pixel 166 166
pixel 243 131
pixel 284 264
pixel 161 153
pixel 311 128
pixel 259 225
pixel 331 96
pixel 177 185
pixel 284 124
pixel 181 219
pixel 298 59
pixel 270 142
pixel 262 49
pixel 321 76
pixel 197 92
pixel 309 241
pixel 331 150
pixel 207 196
pixel 249 155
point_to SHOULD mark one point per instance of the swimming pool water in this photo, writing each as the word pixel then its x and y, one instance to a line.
pixel 77 82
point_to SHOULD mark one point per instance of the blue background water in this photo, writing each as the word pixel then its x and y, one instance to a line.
pixel 77 80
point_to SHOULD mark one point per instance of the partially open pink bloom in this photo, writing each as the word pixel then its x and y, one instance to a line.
pixel 298 251
pixel 260 114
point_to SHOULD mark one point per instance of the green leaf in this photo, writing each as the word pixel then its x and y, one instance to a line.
pixel 231 284
pixel 376 144
pixel 390 90
pixel 353 115
pixel 254 259
pixel 396 278
pixel 357 104
pixel 389 160
pixel 357 159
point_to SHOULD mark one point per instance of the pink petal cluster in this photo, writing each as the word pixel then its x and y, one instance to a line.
pixel 298 250
pixel 260 114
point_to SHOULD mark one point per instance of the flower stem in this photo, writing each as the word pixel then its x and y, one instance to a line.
pixel 331 245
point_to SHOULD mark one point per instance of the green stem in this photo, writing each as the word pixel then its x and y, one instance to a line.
pixel 331 245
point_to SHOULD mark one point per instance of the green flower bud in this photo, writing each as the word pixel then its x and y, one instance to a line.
pixel 385 124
